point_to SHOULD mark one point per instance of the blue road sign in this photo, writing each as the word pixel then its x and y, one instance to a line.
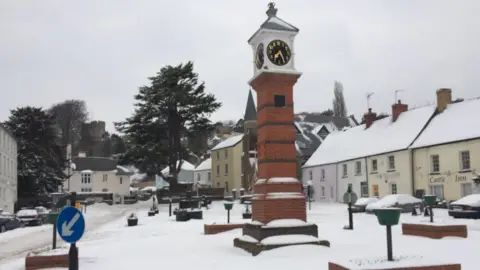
pixel 70 224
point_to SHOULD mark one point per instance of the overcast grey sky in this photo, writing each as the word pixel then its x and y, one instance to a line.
pixel 101 51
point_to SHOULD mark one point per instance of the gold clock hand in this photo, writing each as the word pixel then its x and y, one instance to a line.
pixel 281 55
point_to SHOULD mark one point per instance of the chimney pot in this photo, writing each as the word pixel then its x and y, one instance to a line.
pixel 369 110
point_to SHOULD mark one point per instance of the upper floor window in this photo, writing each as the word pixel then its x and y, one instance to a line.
pixel 344 170
pixel 218 170
pixel 374 165
pixel 323 174
pixel 391 163
pixel 209 176
pixel 465 160
pixel 218 155
pixel 105 177
pixel 86 178
pixel 226 154
pixel 226 169
pixel 358 167
pixel 198 177
pixel 310 175
pixel 434 164
pixel 121 180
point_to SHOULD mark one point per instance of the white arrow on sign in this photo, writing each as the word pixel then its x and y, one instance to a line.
pixel 67 227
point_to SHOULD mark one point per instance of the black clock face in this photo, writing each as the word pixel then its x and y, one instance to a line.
pixel 278 52
pixel 259 57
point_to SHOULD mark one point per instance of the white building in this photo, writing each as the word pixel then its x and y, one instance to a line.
pixel 8 170
pixel 203 173
pixel 98 174
pixel 372 158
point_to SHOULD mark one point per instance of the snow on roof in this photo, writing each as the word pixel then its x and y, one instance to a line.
pixel 457 122
pixel 233 140
pixel 382 136
pixel 205 165
pixel 186 166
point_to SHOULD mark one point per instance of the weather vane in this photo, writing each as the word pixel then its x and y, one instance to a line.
pixel 396 95
pixel 272 11
pixel 368 99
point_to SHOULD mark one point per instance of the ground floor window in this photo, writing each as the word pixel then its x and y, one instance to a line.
pixel 331 192
pixel 364 189
pixel 466 189
pixel 323 191
pixel 437 190
pixel 393 188
pixel 86 190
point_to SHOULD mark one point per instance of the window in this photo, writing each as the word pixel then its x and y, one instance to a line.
pixel 86 189
pixel 437 190
pixel 375 190
pixel 218 170
pixel 218 155
pixel 466 189
pixel 121 180
pixel 226 169
pixel 358 167
pixel 310 175
pixel 209 176
pixel 279 100
pixel 323 174
pixel 434 164
pixel 465 160
pixel 344 170
pixel 226 154
pixel 393 188
pixel 391 163
pixel 85 178
pixel 331 192
pixel 323 191
pixel 105 177
pixel 374 165
pixel 363 189
pixel 198 177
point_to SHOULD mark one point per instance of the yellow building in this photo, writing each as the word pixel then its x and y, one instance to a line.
pixel 227 163
pixel 447 153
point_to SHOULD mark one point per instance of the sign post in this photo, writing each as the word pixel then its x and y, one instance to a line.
pixel 351 198
pixel 70 227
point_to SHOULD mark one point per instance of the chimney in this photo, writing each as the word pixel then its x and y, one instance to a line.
pixel 369 118
pixel 444 97
pixel 82 154
pixel 397 109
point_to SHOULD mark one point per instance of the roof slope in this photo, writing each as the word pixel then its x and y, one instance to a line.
pixel 457 122
pixel 229 142
pixel 250 110
pixel 186 166
pixel 383 136
pixel 205 165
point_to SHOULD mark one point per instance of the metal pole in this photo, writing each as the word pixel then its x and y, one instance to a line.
pixel 350 216
pixel 389 243
pixel 73 252
pixel 170 207
pixel 54 243
pixel 228 216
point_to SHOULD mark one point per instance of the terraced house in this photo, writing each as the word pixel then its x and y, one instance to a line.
pixel 8 170
pixel 373 158
pixel 447 153
pixel 227 163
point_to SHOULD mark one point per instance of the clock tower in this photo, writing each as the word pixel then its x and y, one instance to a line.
pixel 278 194
pixel 278 199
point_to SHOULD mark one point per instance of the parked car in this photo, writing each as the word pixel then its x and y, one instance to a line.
pixel 30 217
pixel 361 204
pixel 403 201
pixel 9 222
pixel 466 207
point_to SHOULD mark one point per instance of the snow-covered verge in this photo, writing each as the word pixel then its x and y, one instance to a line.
pixel 19 242
pixel 182 245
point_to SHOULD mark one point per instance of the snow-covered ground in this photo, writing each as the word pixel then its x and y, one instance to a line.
pixel 159 241
pixel 18 242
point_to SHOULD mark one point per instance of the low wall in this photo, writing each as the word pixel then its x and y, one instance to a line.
pixel 434 231
pixel 219 228
pixel 46 262
pixel 334 266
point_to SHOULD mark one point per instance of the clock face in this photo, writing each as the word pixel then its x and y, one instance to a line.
pixel 259 56
pixel 278 52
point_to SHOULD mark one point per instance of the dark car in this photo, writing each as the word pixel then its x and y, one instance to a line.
pixel 466 207
pixel 9 222
pixel 30 217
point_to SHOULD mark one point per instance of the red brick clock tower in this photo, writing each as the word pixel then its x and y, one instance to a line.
pixel 278 194
pixel 278 204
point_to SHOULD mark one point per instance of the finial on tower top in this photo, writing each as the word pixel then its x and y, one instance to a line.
pixel 272 11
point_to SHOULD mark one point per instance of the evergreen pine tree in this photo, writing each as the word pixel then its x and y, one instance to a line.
pixel 174 107
pixel 40 159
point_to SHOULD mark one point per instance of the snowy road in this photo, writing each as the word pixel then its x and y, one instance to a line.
pixel 17 243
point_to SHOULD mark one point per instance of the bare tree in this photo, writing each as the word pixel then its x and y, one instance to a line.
pixel 339 106
pixel 69 116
